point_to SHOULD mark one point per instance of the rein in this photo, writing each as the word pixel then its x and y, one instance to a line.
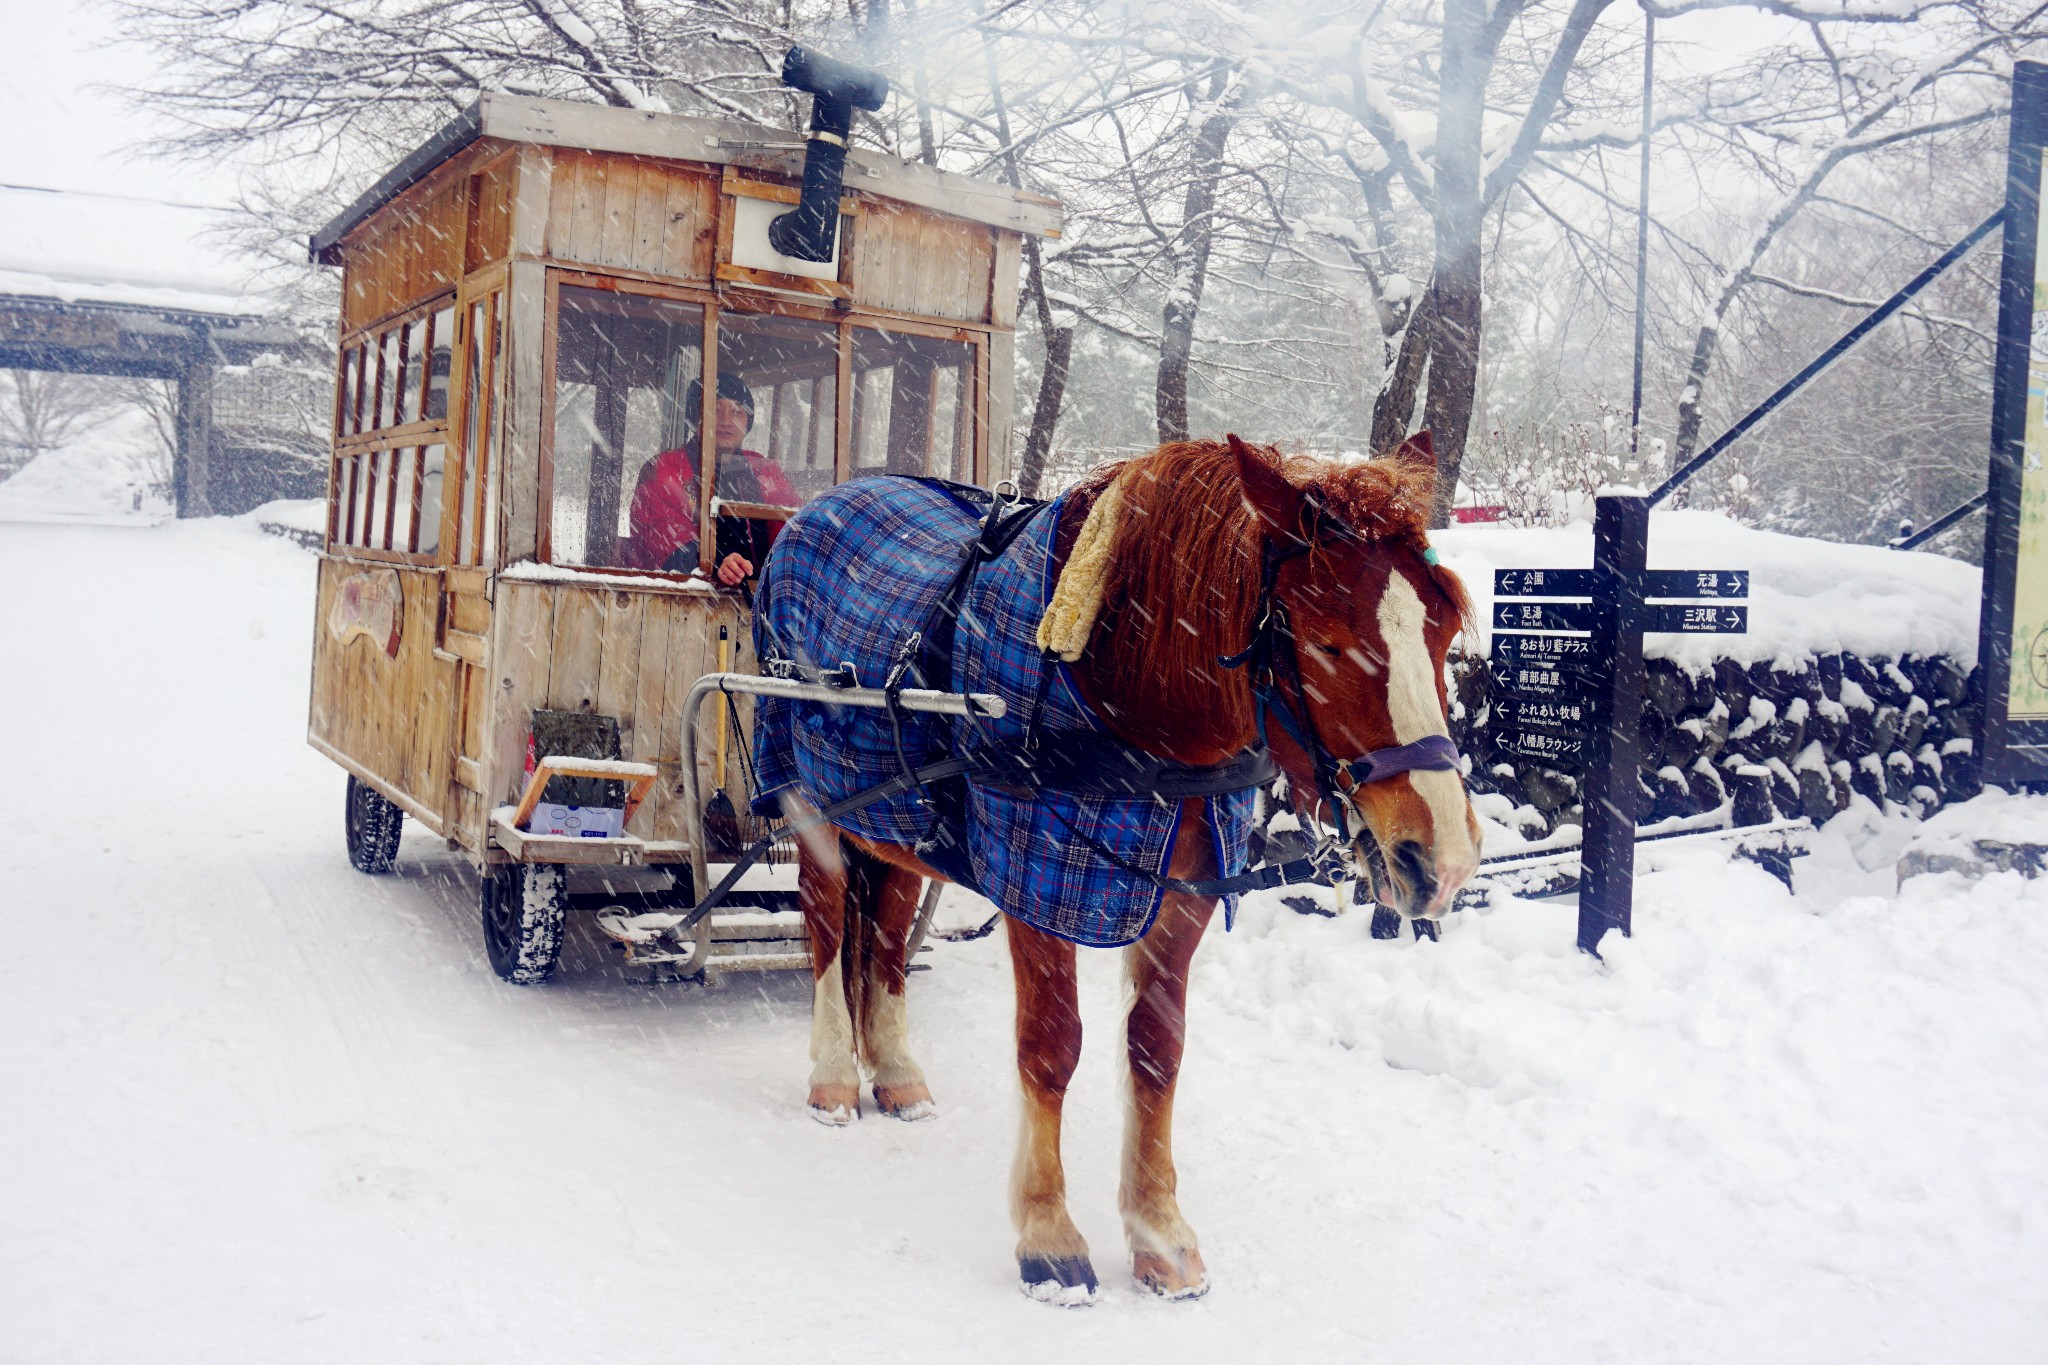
pixel 1271 657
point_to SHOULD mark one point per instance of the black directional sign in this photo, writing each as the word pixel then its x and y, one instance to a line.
pixel 1543 616
pixel 1719 583
pixel 1524 681
pixel 1565 715
pixel 1543 582
pixel 1559 653
pixel 1559 750
pixel 1689 618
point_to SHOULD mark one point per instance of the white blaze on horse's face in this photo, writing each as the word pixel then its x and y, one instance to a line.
pixel 1372 627
pixel 1415 709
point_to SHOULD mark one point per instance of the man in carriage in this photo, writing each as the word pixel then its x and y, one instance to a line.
pixel 664 510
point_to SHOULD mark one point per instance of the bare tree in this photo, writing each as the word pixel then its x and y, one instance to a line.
pixel 42 410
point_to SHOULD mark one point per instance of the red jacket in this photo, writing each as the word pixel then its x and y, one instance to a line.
pixel 664 515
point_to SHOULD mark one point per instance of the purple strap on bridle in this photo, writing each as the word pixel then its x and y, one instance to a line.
pixel 1430 753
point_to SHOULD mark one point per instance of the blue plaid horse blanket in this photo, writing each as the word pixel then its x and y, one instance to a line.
pixel 852 577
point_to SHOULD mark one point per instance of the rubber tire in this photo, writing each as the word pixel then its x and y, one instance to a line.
pixel 524 906
pixel 372 825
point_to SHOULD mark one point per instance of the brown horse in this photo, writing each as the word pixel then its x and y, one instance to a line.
pixel 1370 615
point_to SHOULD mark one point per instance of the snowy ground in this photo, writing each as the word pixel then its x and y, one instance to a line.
pixel 103 477
pixel 255 1107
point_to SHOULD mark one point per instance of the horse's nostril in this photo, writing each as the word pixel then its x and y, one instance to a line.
pixel 1416 869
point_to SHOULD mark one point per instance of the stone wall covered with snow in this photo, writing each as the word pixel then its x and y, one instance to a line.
pixel 1853 678
pixel 1771 741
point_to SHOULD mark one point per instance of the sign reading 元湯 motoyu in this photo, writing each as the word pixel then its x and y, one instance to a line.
pixel 1566 680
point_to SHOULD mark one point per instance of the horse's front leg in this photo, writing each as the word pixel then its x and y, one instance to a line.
pixel 1164 1256
pixel 1052 1257
pixel 822 879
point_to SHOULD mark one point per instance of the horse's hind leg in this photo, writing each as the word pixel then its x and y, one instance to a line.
pixel 1052 1257
pixel 822 884
pixel 1164 1256
pixel 884 922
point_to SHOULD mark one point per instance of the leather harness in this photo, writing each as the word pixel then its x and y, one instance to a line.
pixel 1094 763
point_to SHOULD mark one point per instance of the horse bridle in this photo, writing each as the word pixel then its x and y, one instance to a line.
pixel 1272 657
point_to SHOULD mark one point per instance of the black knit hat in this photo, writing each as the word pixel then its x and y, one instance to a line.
pixel 730 386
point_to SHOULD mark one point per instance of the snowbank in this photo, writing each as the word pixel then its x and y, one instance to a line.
pixel 1807 597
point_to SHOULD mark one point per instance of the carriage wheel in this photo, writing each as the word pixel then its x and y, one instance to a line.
pixel 523 906
pixel 373 825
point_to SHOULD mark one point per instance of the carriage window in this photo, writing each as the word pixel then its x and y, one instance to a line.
pixel 913 405
pixel 480 407
pixel 412 349
pixel 345 399
pixel 433 462
pixel 440 360
pixel 778 386
pixel 628 371
pixel 404 497
pixel 388 379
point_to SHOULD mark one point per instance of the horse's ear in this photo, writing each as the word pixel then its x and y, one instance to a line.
pixel 1418 455
pixel 1277 502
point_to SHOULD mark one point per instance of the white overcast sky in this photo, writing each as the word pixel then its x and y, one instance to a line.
pixel 63 132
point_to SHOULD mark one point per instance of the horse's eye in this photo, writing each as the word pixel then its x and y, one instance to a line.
pixel 1334 651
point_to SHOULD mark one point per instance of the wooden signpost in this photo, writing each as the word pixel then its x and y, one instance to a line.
pixel 1567 675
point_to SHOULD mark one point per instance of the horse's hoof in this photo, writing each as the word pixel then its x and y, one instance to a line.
pixel 911 1103
pixel 835 1106
pixel 1168 1280
pixel 1063 1281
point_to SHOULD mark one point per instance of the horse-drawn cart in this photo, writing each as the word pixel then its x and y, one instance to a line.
pixel 543 310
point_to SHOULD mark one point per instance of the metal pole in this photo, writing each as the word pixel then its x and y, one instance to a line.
pixel 1830 355
pixel 1913 540
pixel 1635 409
pixel 1621 546
pixel 910 699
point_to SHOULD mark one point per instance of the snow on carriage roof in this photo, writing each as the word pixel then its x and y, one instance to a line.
pixel 1807 596
pixel 91 248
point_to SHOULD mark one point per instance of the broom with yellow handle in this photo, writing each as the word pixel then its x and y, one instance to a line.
pixel 721 821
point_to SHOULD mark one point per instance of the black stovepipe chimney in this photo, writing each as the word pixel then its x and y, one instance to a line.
pixel 808 231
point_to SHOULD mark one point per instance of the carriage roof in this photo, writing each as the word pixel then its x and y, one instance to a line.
pixel 676 137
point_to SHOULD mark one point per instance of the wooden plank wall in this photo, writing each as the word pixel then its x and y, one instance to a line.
pixel 629 654
pixel 490 220
pixel 633 213
pixel 913 261
pixel 393 716
pixel 407 253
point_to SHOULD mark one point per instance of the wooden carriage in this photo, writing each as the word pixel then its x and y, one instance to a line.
pixel 536 305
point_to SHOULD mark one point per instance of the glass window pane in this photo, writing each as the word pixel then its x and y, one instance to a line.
pixel 376 474
pixel 440 359
pixel 387 379
pixel 475 432
pixel 403 491
pixel 913 405
pixel 777 422
pixel 413 346
pixel 344 501
pixel 433 467
pixel 624 444
pixel 345 399
pixel 359 482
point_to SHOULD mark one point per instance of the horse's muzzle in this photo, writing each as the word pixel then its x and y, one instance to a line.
pixel 1417 884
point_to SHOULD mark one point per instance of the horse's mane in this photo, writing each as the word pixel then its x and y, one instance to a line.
pixel 1183 577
